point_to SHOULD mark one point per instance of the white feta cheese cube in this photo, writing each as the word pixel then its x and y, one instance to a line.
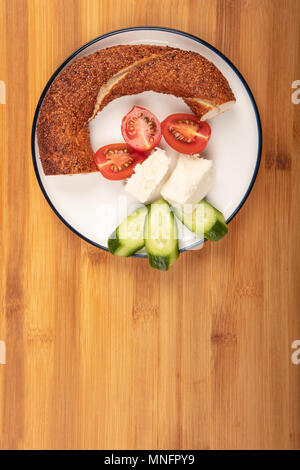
pixel 191 180
pixel 146 182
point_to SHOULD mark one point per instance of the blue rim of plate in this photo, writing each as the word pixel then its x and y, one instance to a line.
pixel 120 31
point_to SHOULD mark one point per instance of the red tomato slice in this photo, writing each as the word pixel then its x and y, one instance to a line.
pixel 117 161
pixel 141 129
pixel 186 133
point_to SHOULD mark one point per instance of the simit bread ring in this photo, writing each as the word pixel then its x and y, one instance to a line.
pixel 90 83
pixel 62 130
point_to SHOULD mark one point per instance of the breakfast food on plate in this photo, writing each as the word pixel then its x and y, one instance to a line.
pixel 155 228
pixel 205 220
pixel 62 130
pixel 191 180
pixel 161 238
pixel 186 133
pixel 86 86
pixel 206 109
pixel 148 178
pixel 117 161
pixel 185 74
pixel 90 83
pixel 129 235
pixel 141 129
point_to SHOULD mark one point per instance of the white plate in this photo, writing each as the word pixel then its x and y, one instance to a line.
pixel 92 206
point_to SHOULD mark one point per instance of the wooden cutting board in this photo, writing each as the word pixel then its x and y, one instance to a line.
pixel 107 353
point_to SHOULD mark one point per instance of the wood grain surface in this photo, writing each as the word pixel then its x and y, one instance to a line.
pixel 106 353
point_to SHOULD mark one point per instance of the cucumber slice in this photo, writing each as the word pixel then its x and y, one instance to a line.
pixel 161 239
pixel 129 235
pixel 205 220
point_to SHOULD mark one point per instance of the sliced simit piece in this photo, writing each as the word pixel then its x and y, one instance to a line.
pixel 184 74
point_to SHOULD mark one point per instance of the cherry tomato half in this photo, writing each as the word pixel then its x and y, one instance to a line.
pixel 186 133
pixel 141 129
pixel 117 161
